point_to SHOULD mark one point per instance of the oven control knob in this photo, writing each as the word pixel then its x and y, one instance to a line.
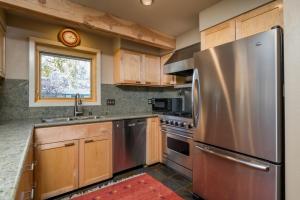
pixel 172 122
pixel 168 122
pixel 179 124
pixel 184 124
pixel 176 123
pixel 190 126
pixel 162 121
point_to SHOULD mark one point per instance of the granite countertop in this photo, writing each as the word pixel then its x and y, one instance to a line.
pixel 15 138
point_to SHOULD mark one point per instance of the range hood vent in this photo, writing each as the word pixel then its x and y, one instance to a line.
pixel 182 61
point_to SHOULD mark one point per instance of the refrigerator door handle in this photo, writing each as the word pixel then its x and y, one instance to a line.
pixel 237 160
pixel 195 98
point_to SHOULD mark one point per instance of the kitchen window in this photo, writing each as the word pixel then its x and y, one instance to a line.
pixel 61 72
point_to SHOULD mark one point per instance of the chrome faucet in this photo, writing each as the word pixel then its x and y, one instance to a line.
pixel 78 106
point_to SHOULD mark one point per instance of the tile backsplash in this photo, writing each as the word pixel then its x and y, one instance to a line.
pixel 128 99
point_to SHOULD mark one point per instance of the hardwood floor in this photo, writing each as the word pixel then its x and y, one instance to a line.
pixel 164 174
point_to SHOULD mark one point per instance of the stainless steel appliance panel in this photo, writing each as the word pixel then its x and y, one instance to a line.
pixel 178 149
pixel 220 174
pixel 240 96
pixel 166 105
pixel 129 144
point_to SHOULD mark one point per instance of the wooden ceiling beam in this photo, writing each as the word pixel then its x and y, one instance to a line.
pixel 91 18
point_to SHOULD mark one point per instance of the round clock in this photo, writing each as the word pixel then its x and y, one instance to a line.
pixel 69 37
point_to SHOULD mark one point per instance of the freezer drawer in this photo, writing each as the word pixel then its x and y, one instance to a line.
pixel 222 175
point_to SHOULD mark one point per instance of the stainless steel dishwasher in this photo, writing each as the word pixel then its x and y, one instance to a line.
pixel 129 144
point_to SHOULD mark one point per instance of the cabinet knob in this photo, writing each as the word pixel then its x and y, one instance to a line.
pixel 69 144
pixel 88 141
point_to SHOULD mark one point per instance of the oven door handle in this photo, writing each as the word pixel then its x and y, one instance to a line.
pixel 195 98
pixel 179 135
pixel 237 160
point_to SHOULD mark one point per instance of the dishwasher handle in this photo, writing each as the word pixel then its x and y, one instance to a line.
pixel 131 125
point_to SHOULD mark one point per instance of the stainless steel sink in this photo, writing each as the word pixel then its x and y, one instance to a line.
pixel 66 119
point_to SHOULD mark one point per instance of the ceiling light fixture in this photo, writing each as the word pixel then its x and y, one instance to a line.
pixel 146 2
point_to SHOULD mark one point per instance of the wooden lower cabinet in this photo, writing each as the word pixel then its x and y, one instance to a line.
pixel 25 187
pixel 154 147
pixel 57 168
pixel 95 160
pixel 81 156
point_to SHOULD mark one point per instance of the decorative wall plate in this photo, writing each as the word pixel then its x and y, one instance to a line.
pixel 69 37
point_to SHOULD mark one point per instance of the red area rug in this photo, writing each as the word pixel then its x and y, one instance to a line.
pixel 141 187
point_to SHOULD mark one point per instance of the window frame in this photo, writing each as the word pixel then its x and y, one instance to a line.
pixel 36 46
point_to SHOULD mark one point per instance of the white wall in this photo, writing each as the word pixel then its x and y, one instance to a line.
pixel 225 10
pixel 188 38
pixel 292 97
pixel 17 47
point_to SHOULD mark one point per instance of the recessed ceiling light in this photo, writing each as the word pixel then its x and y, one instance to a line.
pixel 146 2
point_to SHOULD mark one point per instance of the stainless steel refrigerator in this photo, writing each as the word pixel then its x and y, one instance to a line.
pixel 238 112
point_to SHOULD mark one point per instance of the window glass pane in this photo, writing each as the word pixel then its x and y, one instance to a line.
pixel 64 76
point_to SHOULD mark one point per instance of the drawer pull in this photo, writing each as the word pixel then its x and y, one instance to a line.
pixel 89 141
pixel 148 82
pixel 254 165
pixel 138 81
pixel 29 167
pixel 28 195
pixel 69 144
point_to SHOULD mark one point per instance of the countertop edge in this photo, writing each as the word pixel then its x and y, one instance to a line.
pixel 21 164
pixel 104 119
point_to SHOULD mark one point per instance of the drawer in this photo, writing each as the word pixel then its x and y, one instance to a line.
pixel 72 132
pixel 220 174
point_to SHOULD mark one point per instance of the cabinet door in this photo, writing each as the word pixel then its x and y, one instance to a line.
pixel 153 141
pixel 131 64
pixel 95 160
pixel 166 79
pixel 259 20
pixel 57 168
pixel 151 69
pixel 25 186
pixel 217 35
pixel 2 52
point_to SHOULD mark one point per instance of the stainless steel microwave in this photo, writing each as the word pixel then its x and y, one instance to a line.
pixel 167 105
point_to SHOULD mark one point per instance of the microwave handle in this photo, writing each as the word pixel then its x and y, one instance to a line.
pixel 195 98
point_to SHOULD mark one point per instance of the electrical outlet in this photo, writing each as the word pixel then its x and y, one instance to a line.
pixel 150 101
pixel 110 102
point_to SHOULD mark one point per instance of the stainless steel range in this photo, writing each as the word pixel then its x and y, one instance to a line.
pixel 178 142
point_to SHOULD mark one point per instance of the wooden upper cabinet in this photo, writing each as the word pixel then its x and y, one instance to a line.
pixel 136 68
pixel 166 79
pixel 151 69
pixel 217 35
pixel 95 159
pixel 259 20
pixel 153 150
pixel 128 67
pixel 57 168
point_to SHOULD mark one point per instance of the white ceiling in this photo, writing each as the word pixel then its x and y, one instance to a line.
pixel 173 17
